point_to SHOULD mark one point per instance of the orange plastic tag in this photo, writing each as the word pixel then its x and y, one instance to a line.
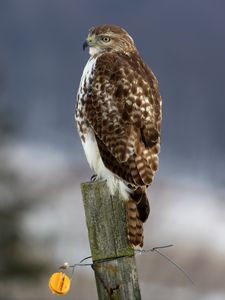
pixel 59 283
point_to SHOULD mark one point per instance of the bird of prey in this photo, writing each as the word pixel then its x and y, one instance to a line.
pixel 118 116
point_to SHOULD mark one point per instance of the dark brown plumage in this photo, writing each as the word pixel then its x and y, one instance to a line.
pixel 118 116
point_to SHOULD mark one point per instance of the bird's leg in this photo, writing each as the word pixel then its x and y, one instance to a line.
pixel 94 177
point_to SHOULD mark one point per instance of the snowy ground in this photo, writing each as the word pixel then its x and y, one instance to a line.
pixel 191 217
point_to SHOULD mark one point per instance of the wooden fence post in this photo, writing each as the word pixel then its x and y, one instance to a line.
pixel 113 259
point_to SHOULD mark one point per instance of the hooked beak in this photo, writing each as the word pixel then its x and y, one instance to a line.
pixel 85 45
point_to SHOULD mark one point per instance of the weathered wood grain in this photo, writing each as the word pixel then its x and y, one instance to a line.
pixel 113 258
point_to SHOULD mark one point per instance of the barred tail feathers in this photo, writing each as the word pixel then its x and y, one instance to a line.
pixel 137 209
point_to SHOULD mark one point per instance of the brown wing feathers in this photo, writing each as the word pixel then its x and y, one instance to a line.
pixel 123 124
pixel 123 108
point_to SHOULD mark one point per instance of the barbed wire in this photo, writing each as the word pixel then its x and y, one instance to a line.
pixel 140 251
pixel 156 249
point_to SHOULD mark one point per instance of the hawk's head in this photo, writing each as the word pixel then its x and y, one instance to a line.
pixel 108 38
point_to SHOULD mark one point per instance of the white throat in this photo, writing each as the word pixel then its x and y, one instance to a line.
pixel 93 51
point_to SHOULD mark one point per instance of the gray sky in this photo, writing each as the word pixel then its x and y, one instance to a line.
pixel 41 61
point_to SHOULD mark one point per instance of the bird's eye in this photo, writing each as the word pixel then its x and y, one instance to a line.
pixel 106 39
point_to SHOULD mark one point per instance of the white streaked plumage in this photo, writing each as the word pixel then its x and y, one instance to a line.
pixel 118 116
pixel 95 161
pixel 86 73
pixel 91 148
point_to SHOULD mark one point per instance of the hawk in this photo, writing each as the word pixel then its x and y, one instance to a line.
pixel 118 116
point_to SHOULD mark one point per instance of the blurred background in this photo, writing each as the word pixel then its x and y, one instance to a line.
pixel 42 164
